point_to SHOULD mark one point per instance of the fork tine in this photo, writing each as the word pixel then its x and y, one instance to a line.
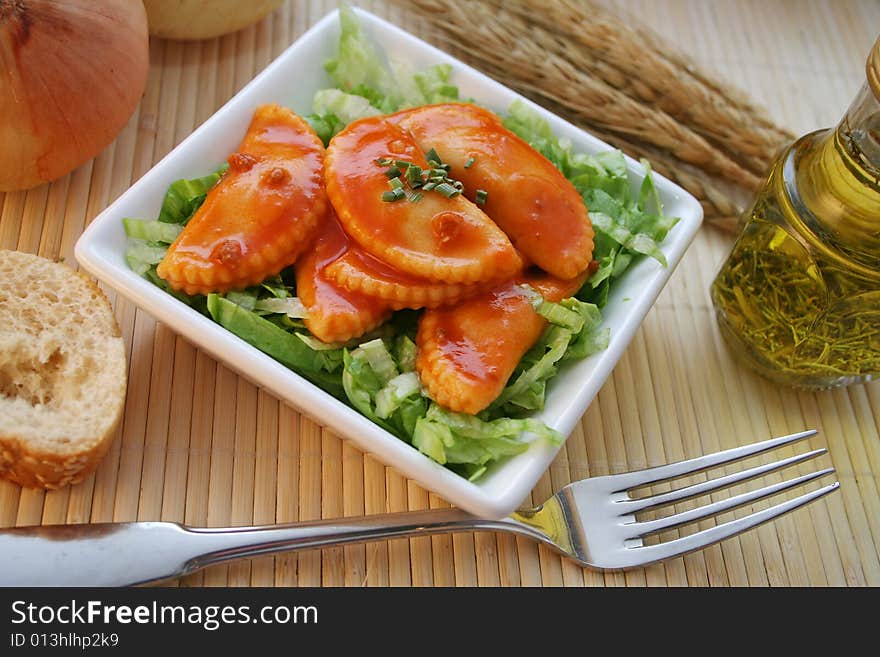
pixel 630 506
pixel 653 526
pixel 643 555
pixel 629 480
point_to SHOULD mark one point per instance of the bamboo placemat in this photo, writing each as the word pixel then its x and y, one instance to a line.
pixel 199 444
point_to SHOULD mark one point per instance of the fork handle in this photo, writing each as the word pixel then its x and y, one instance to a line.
pixel 123 554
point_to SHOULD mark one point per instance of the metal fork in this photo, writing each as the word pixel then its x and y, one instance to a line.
pixel 591 521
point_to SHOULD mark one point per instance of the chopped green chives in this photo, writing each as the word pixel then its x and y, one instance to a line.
pixel 481 197
pixel 447 190
pixel 414 175
pixel 405 177
pixel 470 162
pixel 432 156
pixel 393 195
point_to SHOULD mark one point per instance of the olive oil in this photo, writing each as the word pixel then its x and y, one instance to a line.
pixel 799 296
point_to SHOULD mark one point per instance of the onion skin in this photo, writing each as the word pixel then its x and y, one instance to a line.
pixel 72 73
pixel 204 19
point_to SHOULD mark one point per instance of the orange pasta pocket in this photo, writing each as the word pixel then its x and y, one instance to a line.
pixel 357 271
pixel 262 213
pixel 334 314
pixel 444 238
pixel 522 191
pixel 467 352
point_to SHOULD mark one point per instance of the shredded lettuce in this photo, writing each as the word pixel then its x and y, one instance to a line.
pixel 247 299
pixel 574 329
pixel 617 231
pixel 293 307
pixel 405 353
pixel 366 84
pixel 426 87
pixel 375 386
pixel 346 107
pixel 325 125
pixel 379 359
pixel 626 225
pixel 558 314
pixel 320 367
pixel 333 109
pixel 392 395
pixel 151 230
pixel 185 196
pixel 376 374
pixel 457 438
pixel 141 256
pixel 359 68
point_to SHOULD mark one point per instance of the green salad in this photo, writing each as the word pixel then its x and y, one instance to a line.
pixel 375 374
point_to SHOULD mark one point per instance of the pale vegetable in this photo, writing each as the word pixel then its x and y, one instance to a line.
pixel 72 73
pixel 204 19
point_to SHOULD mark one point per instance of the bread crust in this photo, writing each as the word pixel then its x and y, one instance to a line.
pixel 40 469
pixel 30 465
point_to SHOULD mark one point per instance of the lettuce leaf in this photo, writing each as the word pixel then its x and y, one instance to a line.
pixel 457 438
pixel 325 125
pixel 374 386
pixel 366 84
pixel 334 109
pixel 627 225
pixel 574 332
pixel 151 230
pixel 359 67
pixel 285 347
pixel 185 196
pixel 426 87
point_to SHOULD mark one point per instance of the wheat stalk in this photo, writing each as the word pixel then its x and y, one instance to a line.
pixel 643 66
pixel 687 68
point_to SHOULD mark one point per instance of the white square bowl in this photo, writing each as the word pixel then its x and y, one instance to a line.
pixel 291 80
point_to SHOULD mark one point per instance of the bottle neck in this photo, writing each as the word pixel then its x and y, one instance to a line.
pixel 837 174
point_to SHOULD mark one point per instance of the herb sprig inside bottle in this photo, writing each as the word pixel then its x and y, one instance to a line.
pixel 408 180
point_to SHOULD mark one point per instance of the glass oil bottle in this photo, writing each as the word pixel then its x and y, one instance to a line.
pixel 798 298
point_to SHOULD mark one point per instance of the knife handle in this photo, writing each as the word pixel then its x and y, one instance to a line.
pixel 124 554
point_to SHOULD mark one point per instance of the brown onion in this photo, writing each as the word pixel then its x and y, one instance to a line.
pixel 71 74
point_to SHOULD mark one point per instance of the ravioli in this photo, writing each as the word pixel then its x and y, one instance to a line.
pixel 450 240
pixel 525 194
pixel 467 352
pixel 334 314
pixel 260 216
pixel 358 271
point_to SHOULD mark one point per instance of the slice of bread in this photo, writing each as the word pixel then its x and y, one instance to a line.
pixel 62 372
